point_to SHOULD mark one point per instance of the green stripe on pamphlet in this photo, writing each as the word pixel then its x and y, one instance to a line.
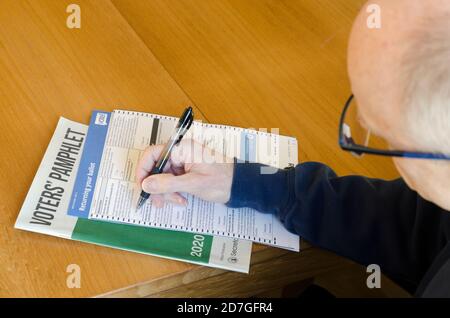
pixel 173 244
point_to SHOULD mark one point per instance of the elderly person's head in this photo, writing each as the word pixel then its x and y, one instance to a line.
pixel 400 76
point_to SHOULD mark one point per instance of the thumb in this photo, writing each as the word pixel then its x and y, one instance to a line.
pixel 169 183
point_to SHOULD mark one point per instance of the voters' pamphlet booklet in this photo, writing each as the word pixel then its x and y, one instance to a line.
pixel 46 205
pixel 106 190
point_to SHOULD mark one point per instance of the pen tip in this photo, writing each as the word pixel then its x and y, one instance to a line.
pixel 140 203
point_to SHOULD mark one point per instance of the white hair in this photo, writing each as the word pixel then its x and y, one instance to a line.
pixel 427 85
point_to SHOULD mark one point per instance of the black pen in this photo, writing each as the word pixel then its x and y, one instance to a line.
pixel 180 130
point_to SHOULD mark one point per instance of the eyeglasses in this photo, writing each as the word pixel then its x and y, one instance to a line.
pixel 357 139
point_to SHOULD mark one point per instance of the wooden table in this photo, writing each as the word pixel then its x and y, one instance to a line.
pixel 249 63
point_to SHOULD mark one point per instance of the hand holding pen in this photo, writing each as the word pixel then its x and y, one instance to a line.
pixel 205 179
pixel 181 128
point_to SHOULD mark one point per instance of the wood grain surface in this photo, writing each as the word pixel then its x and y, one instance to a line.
pixel 47 71
pixel 250 63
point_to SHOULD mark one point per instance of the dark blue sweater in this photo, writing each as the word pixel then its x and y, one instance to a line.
pixel 370 221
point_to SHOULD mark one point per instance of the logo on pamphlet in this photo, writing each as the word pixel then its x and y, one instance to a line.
pixel 233 259
pixel 101 118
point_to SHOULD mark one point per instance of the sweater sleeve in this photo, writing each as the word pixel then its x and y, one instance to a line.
pixel 370 221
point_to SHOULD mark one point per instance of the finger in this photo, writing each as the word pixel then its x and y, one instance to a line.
pixel 157 200
pixel 147 161
pixel 177 170
pixel 168 183
pixel 175 198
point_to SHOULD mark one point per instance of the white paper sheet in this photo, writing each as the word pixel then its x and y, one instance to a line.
pixel 117 192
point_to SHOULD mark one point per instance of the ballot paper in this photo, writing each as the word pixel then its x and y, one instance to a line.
pixel 45 211
pixel 112 193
